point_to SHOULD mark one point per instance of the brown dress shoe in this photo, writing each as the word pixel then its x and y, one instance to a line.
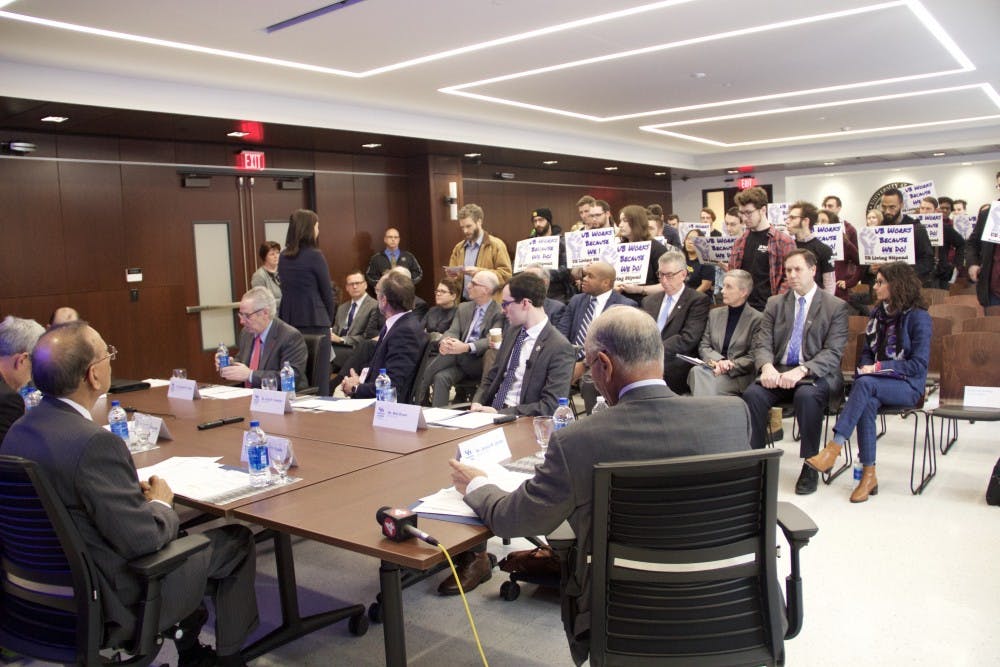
pixel 473 569
pixel 868 486
pixel 823 462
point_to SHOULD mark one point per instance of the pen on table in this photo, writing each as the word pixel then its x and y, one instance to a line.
pixel 219 422
pixel 130 409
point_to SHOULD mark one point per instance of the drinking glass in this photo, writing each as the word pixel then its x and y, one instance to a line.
pixel 544 426
pixel 281 459
pixel 269 383
pixel 143 431
pixel 180 374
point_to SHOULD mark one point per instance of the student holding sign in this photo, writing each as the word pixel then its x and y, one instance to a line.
pixel 952 244
pixel 981 255
pixel 892 214
pixel 633 227
pixel 847 272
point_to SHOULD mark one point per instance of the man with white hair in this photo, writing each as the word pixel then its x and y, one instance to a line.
pixel 17 340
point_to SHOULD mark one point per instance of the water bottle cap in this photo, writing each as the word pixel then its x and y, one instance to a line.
pixel 563 401
pixel 254 424
pixel 381 371
pixel 115 404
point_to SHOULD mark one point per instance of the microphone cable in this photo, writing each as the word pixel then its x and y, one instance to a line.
pixel 468 612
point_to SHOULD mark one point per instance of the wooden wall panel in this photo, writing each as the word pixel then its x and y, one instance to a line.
pixel 90 197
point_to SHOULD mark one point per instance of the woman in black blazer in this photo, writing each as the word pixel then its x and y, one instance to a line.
pixel 306 296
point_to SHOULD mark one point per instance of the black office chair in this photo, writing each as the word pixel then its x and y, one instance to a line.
pixel 683 568
pixel 51 602
pixel 317 365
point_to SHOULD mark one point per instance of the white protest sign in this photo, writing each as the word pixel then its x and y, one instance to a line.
pixel 684 228
pixel 186 390
pixel 490 447
pixel 398 416
pixel 542 250
pixel 991 231
pixel 833 236
pixel 964 224
pixel 270 402
pixel 632 264
pixel 933 223
pixel 914 194
pixel 591 245
pixel 887 243
pixel 777 213
pixel 721 248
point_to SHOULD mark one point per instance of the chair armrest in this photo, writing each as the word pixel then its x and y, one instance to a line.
pixel 168 558
pixel 460 406
pixel 308 391
pixel 795 524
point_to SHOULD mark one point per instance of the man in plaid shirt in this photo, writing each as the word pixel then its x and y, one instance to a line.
pixel 761 250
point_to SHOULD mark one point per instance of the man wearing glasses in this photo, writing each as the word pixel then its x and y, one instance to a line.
pixel 390 258
pixel 351 322
pixel 681 315
pixel 762 249
pixel 599 215
pixel 17 340
pixel 266 343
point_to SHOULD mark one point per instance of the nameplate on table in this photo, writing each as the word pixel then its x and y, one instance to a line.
pixel 270 402
pixel 490 447
pixel 186 390
pixel 399 416
pixel 157 427
pixel 981 397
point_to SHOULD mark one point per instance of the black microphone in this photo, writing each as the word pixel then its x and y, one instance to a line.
pixel 400 525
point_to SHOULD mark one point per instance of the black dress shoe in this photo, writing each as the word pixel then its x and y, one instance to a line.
pixel 473 569
pixel 807 481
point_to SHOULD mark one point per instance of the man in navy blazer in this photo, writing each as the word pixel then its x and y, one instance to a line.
pixel 596 296
pixel 400 345
pixel 120 517
pixel 681 313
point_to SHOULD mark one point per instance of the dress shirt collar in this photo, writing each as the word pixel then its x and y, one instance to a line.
pixel 84 412
pixel 602 302
pixel 652 382
pixel 360 299
pixel 476 242
pixel 389 321
pixel 536 330
pixel 808 295
pixel 265 332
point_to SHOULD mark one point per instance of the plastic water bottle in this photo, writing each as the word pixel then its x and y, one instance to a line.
pixel 858 470
pixel 258 463
pixel 31 396
pixel 222 353
pixel 383 386
pixel 288 379
pixel 600 406
pixel 563 416
pixel 118 419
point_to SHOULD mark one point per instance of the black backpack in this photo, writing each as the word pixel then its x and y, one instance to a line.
pixel 993 488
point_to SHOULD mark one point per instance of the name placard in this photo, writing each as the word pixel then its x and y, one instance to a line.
pixel 833 236
pixel 591 245
pixel 399 416
pixel 270 402
pixel 914 194
pixel 542 250
pixel 888 243
pixel 186 390
pixel 933 223
pixel 632 263
pixel 490 447
pixel 981 397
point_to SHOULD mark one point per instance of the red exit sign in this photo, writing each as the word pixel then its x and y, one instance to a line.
pixel 251 160
pixel 746 182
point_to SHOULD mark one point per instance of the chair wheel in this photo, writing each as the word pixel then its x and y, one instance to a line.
pixel 358 624
pixel 509 590
pixel 493 561
pixel 375 612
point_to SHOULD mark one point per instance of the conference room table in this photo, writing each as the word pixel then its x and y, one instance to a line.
pixel 347 470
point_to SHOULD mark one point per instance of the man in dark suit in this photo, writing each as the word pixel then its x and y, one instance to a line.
pixel 646 421
pixel 797 352
pixel 266 343
pixel 352 318
pixel 726 344
pixel 532 381
pixel 17 340
pixel 400 345
pixel 596 296
pixel 462 347
pixel 983 260
pixel 681 314
pixel 390 258
pixel 892 214
pixel 121 518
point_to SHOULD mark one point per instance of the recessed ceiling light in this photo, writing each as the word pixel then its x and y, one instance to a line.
pixel 550 161
pixel 939 154
pixel 659 173
pixel 611 169
pixel 966 164
pixel 237 134
pixel 829 164
pixel 473 155
pixel 55 119
pixel 371 145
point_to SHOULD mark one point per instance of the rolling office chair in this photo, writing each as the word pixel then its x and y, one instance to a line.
pixel 317 364
pixel 51 602
pixel 683 569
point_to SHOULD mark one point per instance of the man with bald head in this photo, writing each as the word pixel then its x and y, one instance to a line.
pixel 17 340
pixel 390 258
pixel 646 421
pixel 596 296
pixel 462 347
pixel 121 518
pixel 62 315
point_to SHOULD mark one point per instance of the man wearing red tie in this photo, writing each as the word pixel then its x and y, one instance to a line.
pixel 266 343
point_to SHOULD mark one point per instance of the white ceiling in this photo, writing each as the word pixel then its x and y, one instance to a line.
pixel 690 84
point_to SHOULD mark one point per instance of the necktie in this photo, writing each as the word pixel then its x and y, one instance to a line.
pixel 668 304
pixel 581 333
pixel 393 257
pixel 254 356
pixel 350 318
pixel 477 322
pixel 508 376
pixel 795 342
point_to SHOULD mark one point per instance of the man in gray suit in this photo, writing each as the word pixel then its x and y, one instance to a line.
pixel 647 421
pixel 797 352
pixel 468 337
pixel 266 343
pixel 121 518
pixel 725 345
pixel 351 321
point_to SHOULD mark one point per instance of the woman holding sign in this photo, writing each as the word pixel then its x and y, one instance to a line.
pixel 633 227
pixel 701 272
pixel 891 372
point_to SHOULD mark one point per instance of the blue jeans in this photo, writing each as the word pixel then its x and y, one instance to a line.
pixel 868 394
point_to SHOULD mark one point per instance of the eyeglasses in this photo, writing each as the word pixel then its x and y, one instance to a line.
pixel 247 316
pixel 794 217
pixel 747 214
pixel 507 302
pixel 356 283
pixel 112 355
pixel 661 274
pixel 443 291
